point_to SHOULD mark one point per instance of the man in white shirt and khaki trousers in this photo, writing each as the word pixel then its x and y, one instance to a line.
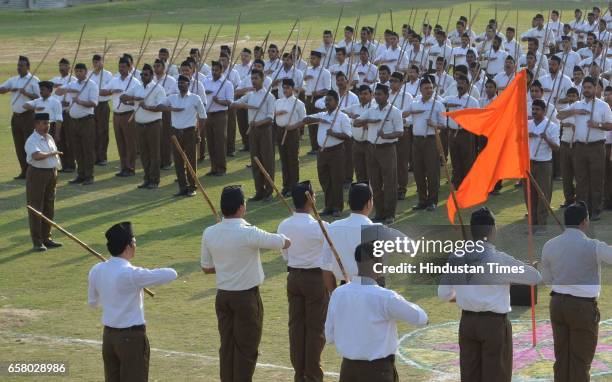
pixel 230 250
pixel 306 287
pixel 361 322
pixel 220 94
pixel 117 286
pixel 571 264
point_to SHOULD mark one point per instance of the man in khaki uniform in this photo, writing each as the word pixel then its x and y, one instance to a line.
pixel 360 134
pixel 318 82
pixel 220 94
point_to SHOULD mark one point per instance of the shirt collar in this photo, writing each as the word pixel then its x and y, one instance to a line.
pixel 119 260
pixel 574 231
pixel 233 221
pixel 360 217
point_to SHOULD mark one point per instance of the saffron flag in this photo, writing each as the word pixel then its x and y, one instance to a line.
pixel 506 154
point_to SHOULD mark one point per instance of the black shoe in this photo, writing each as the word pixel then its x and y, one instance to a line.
pixel 211 173
pixel 190 193
pixel 77 180
pixel 101 163
pixel 201 159
pixel 52 244
pixel 181 193
pixel 401 196
pixel 244 149
pixel 325 212
pixel 129 173
pixel 255 198
pixel 518 184
pixel 219 174
pixel 431 207
pixel 494 192
pixel 312 152
pixel 389 220
pixel 249 165
pixel 377 219
pixel 67 170
pixel 419 207
pixel 267 199
pixel 595 216
pixel 88 182
pixel 286 192
pixel 336 214
pixel 152 186
pixel 20 176
pixel 143 185
pixel 39 248
pixel 167 167
pixel 232 154
pixel 121 174
pixel 566 204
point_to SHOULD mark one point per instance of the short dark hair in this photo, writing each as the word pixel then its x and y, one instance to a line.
pixel 364 252
pixel 298 194
pixel 575 214
pixel 482 222
pixel 359 195
pixel 539 103
pixel 333 94
pixel 232 198
pixel 258 73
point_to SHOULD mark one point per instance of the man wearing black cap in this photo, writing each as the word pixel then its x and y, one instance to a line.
pixel 288 71
pixel 485 332
pixel 187 112
pixel 387 123
pixel 117 286
pixel 169 84
pixel 571 265
pixel 84 95
pixel 361 322
pixel 63 139
pixel 318 82
pixel 344 66
pixel 273 62
pixel 219 95
pixel 231 251
pixel 171 69
pixel 306 287
pixel 572 59
pixel 347 42
pixel 22 121
pixel 289 112
pixel 102 78
pixel 42 157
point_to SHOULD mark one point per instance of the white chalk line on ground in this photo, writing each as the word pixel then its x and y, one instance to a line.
pixel 166 352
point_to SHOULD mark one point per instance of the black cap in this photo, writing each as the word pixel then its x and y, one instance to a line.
pixel 575 213
pixel 364 87
pixel 163 50
pixel 566 38
pixel 41 117
pixel 96 57
pixel 246 50
pixel 161 62
pixel 272 46
pixel 64 61
pixel 118 237
pixel 183 78
pixel 315 53
pixel 80 66
pixel 147 67
pixel 288 82
pixel 397 75
pixel 46 84
pixel 341 49
pixel 24 59
pixel 383 87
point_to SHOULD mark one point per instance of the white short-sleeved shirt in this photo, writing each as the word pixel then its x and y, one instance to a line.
pixel 192 106
pixel 324 81
pixel 123 84
pixel 212 89
pixel 49 105
pixel 539 150
pixel 103 80
pixel 18 82
pixel 290 105
pixel 419 121
pixel 255 98
pixel 87 91
pixel 390 118
pixel 601 114
pixel 152 95
pixel 37 143
pixel 342 124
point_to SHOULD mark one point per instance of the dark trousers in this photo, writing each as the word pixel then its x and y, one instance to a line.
pixel 240 322
pixel 67 160
pixel 148 138
pixel 261 145
pixel 231 131
pixel 485 348
pixel 308 299
pixel 125 136
pixel 289 157
pixel 589 169
pixel 201 130
pixel 348 161
pixel 216 135
pixel 330 169
pixel 187 140
pixel 461 147
pixel 165 143
pixel 382 169
pixel 542 173
pixel 40 194
pixel 608 181
pixel 567 171
pixel 360 152
pixel 22 125
pixel 126 355
pixel 83 141
pixel 242 118
pixel 380 370
pixel 426 168
pixel 404 150
pixel 575 326
pixel 312 129
pixel 101 118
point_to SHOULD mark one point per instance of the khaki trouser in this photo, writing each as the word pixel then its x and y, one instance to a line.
pixel 348 161
pixel 83 141
pixel 379 370
pixel 40 194
pixel 101 118
pixel 308 299
pixel 231 131
pixel 485 347
pixel 426 168
pixel 575 326
pixel 165 142
pixel 148 137
pixel 404 150
pixel 126 355
pixel 242 118
pixel 312 129
pixel 542 172
pixel 240 322
pixel 216 136
pixel 125 136
pixel 289 157
pixel 330 169
pixel 360 152
pixel 262 146
pixel 461 147
pixel 382 169
pixel 187 140
pixel 589 170
pixel 567 172
pixel 22 126
pixel 68 159
pixel 608 181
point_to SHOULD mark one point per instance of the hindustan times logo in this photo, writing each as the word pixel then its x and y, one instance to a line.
pixel 411 247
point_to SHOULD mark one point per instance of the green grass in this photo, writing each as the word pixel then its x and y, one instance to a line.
pixel 50 288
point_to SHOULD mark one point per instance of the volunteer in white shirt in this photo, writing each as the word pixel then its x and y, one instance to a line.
pixel 23 88
pixel 485 332
pixel 306 286
pixel 362 323
pixel 102 78
pixel 117 287
pixel 147 97
pixel 367 73
pixel 68 159
pixel 543 34
pixel 571 265
pixel 168 83
pixel 360 143
pixel 48 104
pixel 566 152
pixel 41 179
pixel 231 251
pixel 287 70
pixel 318 82
pixel 187 112
pixel 572 59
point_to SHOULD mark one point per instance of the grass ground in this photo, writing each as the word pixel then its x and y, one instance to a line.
pixel 43 296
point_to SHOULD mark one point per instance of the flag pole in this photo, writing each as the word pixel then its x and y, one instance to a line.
pixel 530 250
pixel 545 200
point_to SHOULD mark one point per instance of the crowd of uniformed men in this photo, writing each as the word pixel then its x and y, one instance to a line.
pixel 373 111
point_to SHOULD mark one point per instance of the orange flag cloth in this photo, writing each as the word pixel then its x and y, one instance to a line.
pixel 506 154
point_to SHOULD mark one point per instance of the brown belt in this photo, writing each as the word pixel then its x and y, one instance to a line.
pixel 332 148
pixel 42 169
pixel 135 328
pixel 83 118
pixel 307 270
pixel 590 143
pixel 123 112
pixel 382 145
pixel 486 313
pixel 389 358
pixel 590 299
